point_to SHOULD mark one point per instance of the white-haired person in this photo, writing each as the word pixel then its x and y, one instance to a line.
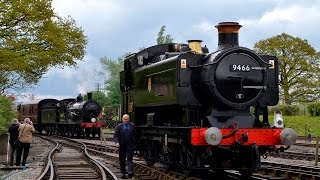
pixel 25 138
pixel 124 137
pixel 13 138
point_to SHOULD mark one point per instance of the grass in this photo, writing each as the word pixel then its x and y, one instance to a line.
pixel 299 123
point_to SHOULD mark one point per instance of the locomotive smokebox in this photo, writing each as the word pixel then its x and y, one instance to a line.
pixel 228 34
pixel 89 95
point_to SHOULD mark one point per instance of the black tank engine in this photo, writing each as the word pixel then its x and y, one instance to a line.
pixel 185 100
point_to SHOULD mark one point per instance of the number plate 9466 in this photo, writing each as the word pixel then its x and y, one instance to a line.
pixel 240 68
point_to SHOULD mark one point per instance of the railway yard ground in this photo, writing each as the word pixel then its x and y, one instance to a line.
pixel 60 158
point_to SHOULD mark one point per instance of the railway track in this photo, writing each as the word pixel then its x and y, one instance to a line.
pixel 305 144
pixel 108 157
pixel 109 153
pixel 295 156
pixel 71 160
pixel 290 171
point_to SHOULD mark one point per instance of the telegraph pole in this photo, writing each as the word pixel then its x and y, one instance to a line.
pixel 98 91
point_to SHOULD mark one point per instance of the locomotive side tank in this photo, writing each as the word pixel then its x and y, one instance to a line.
pixel 192 108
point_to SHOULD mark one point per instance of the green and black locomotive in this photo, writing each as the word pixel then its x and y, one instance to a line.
pixel 191 107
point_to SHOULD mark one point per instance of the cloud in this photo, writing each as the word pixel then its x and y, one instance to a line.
pixel 204 27
pixel 94 15
pixel 285 16
pixel 296 19
pixel 85 75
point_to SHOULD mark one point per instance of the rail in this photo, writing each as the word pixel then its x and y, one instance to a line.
pixel 49 165
pixel 48 172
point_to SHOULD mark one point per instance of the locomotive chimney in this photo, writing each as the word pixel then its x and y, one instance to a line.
pixel 89 95
pixel 228 34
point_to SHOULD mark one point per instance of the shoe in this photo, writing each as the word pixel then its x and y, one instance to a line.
pixel 123 176
pixel 130 175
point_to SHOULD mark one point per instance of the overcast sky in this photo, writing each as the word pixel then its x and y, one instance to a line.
pixel 117 26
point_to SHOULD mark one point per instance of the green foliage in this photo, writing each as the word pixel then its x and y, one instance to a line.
pixel 314 109
pixel 34 39
pixel 100 97
pixel 298 123
pixel 297 66
pixel 6 114
pixel 164 39
pixel 112 69
pixel 286 110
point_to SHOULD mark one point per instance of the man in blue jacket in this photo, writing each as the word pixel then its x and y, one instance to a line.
pixel 124 137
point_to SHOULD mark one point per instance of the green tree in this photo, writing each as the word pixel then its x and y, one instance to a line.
pixel 297 65
pixel 112 69
pixel 7 113
pixel 100 97
pixel 164 39
pixel 34 39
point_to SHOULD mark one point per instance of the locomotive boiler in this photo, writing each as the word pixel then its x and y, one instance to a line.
pixel 191 107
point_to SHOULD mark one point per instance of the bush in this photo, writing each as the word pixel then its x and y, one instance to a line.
pixel 7 113
pixel 286 110
pixel 314 109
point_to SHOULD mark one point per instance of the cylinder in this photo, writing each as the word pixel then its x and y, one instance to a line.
pixel 195 45
pixel 228 34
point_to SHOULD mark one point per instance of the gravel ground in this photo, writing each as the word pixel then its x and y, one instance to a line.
pixel 297 149
pixel 288 161
pixel 38 152
pixel 302 149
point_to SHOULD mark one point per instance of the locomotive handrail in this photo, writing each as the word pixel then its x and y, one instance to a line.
pixel 232 132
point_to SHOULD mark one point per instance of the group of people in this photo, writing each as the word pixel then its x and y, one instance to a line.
pixel 20 138
pixel 124 137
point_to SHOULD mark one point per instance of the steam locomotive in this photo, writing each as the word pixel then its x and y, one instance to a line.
pixel 191 107
pixel 68 117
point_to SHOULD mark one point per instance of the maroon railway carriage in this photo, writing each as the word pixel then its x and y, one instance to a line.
pixel 69 117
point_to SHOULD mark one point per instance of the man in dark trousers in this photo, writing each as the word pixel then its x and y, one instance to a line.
pixel 25 138
pixel 13 137
pixel 124 137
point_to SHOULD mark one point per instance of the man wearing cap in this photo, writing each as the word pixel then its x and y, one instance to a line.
pixel 124 137
pixel 13 137
pixel 25 138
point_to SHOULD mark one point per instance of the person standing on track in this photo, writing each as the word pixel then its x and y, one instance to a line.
pixel 25 138
pixel 124 137
pixel 13 137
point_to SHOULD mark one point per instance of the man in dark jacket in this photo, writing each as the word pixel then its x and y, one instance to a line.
pixel 124 137
pixel 13 137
